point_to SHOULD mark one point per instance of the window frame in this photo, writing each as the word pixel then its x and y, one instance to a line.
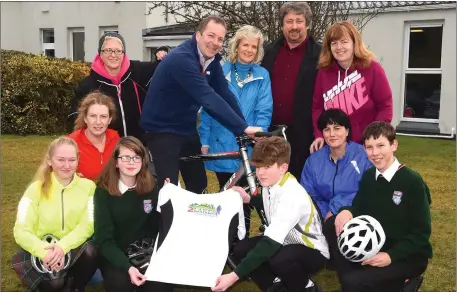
pixel 103 29
pixel 47 46
pixel 72 30
pixel 406 70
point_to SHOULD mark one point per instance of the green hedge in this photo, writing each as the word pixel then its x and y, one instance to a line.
pixel 36 93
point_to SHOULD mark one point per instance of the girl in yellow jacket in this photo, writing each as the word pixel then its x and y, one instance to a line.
pixel 54 224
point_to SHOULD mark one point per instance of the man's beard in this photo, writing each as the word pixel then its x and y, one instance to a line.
pixel 299 39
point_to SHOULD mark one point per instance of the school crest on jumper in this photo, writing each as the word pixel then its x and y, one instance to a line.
pixel 147 206
pixel 396 197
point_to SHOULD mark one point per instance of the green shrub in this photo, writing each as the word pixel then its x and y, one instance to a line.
pixel 36 93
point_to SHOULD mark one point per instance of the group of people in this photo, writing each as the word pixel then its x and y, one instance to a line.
pixel 95 193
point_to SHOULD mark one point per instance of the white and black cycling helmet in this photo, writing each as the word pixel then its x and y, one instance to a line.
pixel 362 237
pixel 38 265
pixel 139 253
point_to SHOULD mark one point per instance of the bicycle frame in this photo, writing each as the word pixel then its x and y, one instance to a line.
pixel 243 170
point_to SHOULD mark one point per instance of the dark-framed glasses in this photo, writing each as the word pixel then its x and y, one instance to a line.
pixel 136 159
pixel 110 51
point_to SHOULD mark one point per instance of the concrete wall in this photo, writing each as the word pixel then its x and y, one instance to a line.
pixel 385 35
pixel 11 25
pixel 157 17
pixel 21 23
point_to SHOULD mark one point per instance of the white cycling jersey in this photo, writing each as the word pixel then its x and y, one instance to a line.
pixel 292 216
pixel 193 242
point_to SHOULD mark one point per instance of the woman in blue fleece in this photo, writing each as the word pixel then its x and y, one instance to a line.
pixel 250 84
pixel 331 175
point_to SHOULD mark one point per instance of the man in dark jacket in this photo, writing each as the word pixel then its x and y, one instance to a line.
pixel 189 77
pixel 292 63
pixel 125 81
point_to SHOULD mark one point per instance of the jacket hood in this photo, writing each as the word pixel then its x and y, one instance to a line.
pixel 99 67
pixel 340 71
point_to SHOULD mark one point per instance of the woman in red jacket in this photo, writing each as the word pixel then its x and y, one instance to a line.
pixel 349 79
pixel 95 141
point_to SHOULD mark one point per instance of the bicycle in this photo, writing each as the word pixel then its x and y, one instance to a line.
pixel 244 171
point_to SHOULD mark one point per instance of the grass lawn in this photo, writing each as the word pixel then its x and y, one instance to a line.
pixel 433 159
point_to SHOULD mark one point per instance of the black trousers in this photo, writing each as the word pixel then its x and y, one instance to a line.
pixel 222 178
pixel 166 148
pixel 357 278
pixel 118 280
pixel 78 275
pixel 293 264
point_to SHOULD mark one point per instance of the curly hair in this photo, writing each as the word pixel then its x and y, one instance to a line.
pixel 297 8
pixel 95 97
pixel 248 32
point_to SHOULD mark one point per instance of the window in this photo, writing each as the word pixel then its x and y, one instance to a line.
pixel 153 50
pixel 105 29
pixel 47 42
pixel 422 74
pixel 76 44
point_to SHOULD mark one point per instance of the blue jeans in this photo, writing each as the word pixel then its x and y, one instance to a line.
pixel 96 279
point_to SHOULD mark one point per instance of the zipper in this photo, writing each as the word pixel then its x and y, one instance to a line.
pixel 120 101
pixel 61 200
pixel 334 177
pixel 118 88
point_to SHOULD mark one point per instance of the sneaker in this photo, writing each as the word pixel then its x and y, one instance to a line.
pixel 413 284
pixel 314 288
pixel 277 287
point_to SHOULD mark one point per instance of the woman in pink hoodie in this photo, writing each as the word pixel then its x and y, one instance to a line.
pixel 350 79
pixel 125 81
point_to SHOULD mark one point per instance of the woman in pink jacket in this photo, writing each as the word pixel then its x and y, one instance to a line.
pixel 350 79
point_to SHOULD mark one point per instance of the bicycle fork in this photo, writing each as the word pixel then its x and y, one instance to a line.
pixel 249 175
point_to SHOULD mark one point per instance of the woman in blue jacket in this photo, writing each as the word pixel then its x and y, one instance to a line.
pixel 250 84
pixel 331 175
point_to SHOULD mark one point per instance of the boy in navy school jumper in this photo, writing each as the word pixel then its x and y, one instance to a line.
pixel 400 200
pixel 189 78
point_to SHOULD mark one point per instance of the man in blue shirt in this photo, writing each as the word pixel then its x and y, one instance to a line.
pixel 189 78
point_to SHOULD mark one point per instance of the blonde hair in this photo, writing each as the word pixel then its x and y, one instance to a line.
pixel 92 98
pixel 362 56
pixel 43 174
pixel 109 178
pixel 111 38
pixel 246 32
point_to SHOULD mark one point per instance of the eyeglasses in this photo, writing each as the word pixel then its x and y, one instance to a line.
pixel 136 159
pixel 110 51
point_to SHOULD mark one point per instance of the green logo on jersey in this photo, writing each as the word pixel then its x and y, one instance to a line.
pixel 205 209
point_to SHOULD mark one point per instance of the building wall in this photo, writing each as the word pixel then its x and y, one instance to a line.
pixel 21 24
pixel 156 17
pixel 11 25
pixel 385 35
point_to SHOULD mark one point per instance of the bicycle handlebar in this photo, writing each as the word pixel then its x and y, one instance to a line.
pixel 280 131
